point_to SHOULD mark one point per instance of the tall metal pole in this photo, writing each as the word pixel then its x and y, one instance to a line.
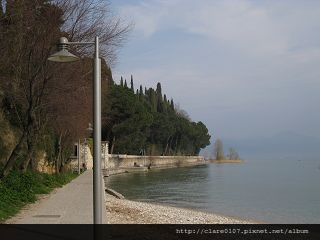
pixel 64 56
pixel 79 156
pixel 97 179
pixel 84 154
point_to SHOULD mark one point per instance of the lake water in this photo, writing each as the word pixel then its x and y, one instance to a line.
pixel 271 191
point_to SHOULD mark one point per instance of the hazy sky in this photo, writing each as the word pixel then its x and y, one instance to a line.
pixel 244 68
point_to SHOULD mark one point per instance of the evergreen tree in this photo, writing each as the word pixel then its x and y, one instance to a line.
pixel 165 104
pixel 159 98
pixel 137 124
pixel 141 92
pixel 153 100
pixel 125 83
pixel 159 93
pixel 172 104
pixel 121 81
pixel 165 98
pixel 131 84
pixel 159 90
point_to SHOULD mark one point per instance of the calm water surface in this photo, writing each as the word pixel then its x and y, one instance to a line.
pixel 271 191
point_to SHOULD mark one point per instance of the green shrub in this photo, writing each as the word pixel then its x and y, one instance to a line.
pixel 19 189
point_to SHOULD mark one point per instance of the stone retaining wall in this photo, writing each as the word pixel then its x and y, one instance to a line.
pixel 120 163
pixel 129 161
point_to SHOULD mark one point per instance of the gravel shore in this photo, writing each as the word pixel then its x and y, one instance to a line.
pixel 122 211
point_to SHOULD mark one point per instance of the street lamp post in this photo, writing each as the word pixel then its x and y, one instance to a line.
pixel 79 153
pixel 63 55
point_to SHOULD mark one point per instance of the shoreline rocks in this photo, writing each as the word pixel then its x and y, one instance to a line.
pixel 123 211
pixel 114 193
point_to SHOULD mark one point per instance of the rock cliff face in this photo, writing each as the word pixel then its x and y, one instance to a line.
pixel 8 139
pixel 43 165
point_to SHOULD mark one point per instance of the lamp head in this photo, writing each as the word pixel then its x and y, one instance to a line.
pixel 63 55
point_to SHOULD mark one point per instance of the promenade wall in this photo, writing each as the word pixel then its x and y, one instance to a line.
pixel 120 163
pixel 115 163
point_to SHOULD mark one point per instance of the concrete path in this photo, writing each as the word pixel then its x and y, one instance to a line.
pixel 71 204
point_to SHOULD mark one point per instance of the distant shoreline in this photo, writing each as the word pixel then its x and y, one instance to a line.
pixel 227 161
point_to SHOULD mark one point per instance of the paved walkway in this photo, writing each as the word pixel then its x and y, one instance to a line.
pixel 73 203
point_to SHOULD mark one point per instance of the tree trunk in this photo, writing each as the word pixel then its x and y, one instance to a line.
pixel 176 146
pixel 113 142
pixel 26 163
pixel 170 145
pixel 58 160
pixel 30 144
pixel 13 157
pixel 166 149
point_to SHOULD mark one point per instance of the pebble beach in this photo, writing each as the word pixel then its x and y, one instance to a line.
pixel 123 211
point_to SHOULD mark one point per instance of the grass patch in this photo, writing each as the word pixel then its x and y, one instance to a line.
pixel 19 189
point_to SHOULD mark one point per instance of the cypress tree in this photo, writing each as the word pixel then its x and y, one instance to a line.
pixel 159 90
pixel 160 106
pixel 125 83
pixel 165 98
pixel 153 100
pixel 164 104
pixel 121 82
pixel 140 92
pixel 172 104
pixel 159 98
pixel 131 84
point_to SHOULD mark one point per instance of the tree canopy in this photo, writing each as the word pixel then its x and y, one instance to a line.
pixel 148 121
pixel 47 106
